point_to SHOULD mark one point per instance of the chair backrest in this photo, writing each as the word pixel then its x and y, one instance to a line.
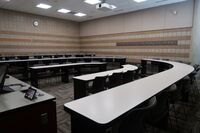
pixel 134 120
pixel 87 59
pixel 138 72
pixel 58 56
pixel 23 57
pixel 160 111
pixel 10 58
pixel 99 84
pixel 37 56
pixel 47 56
pixel 174 93
pixel 36 65
pixel 195 66
pixel 115 79
pixel 128 76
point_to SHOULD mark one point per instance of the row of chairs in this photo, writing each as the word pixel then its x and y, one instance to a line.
pixel 102 83
pixel 41 56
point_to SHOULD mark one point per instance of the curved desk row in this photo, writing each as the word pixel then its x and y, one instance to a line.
pixel 80 82
pixel 24 64
pixel 34 71
pixel 121 60
pixel 103 108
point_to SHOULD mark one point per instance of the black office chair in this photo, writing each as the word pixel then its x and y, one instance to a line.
pixel 115 80
pixel 58 56
pixel 179 95
pixel 138 74
pixel 47 56
pixel 174 96
pixel 10 58
pixel 134 122
pixel 22 57
pixel 193 82
pixel 67 55
pixel 128 76
pixel 87 59
pixel 37 56
pixel 158 116
pixel 54 70
pixel 98 59
pixel 99 84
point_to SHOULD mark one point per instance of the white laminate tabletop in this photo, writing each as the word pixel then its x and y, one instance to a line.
pixel 68 64
pixel 108 105
pixel 15 100
pixel 88 77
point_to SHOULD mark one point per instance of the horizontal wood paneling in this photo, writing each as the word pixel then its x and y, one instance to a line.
pixel 37 34
pixel 137 40
pixel 186 29
pixel 37 47
pixel 19 36
pixel 35 40
pixel 138 47
pixel 107 44
pixel 182 55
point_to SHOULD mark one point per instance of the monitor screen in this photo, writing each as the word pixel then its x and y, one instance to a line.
pixel 3 71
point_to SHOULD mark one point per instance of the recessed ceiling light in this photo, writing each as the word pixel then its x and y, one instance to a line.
pixel 138 1
pixel 63 10
pixel 92 2
pixel 79 14
pixel 6 0
pixel 113 6
pixel 43 6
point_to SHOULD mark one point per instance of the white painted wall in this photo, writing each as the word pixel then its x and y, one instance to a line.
pixel 196 34
pixel 149 19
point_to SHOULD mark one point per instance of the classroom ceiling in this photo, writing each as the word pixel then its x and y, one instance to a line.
pixel 123 6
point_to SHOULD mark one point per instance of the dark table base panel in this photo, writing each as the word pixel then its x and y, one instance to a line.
pixel 36 118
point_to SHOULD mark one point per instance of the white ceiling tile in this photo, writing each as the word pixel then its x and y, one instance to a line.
pixel 123 6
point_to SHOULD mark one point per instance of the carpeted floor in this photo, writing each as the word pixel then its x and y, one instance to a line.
pixel 64 94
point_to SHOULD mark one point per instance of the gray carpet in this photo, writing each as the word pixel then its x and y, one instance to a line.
pixel 64 94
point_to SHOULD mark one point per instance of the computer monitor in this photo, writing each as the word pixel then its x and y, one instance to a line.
pixel 3 72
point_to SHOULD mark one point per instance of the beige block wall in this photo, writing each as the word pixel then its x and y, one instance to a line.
pixel 101 36
pixel 19 36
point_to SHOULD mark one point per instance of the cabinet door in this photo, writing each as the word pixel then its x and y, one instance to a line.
pixel 38 118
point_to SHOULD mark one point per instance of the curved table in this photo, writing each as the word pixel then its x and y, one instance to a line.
pixel 103 108
pixel 64 68
pixel 80 82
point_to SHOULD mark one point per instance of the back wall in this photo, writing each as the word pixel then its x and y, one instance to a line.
pixel 151 33
pixel 18 36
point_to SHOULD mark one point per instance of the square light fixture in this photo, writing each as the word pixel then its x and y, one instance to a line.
pixel 79 14
pixel 43 6
pixel 6 0
pixel 138 1
pixel 113 6
pixel 63 10
pixel 92 2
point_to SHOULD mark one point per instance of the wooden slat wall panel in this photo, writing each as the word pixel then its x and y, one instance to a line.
pixel 107 44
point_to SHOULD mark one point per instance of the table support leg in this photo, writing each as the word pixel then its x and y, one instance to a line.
pixel 65 75
pixel 79 89
pixel 34 78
